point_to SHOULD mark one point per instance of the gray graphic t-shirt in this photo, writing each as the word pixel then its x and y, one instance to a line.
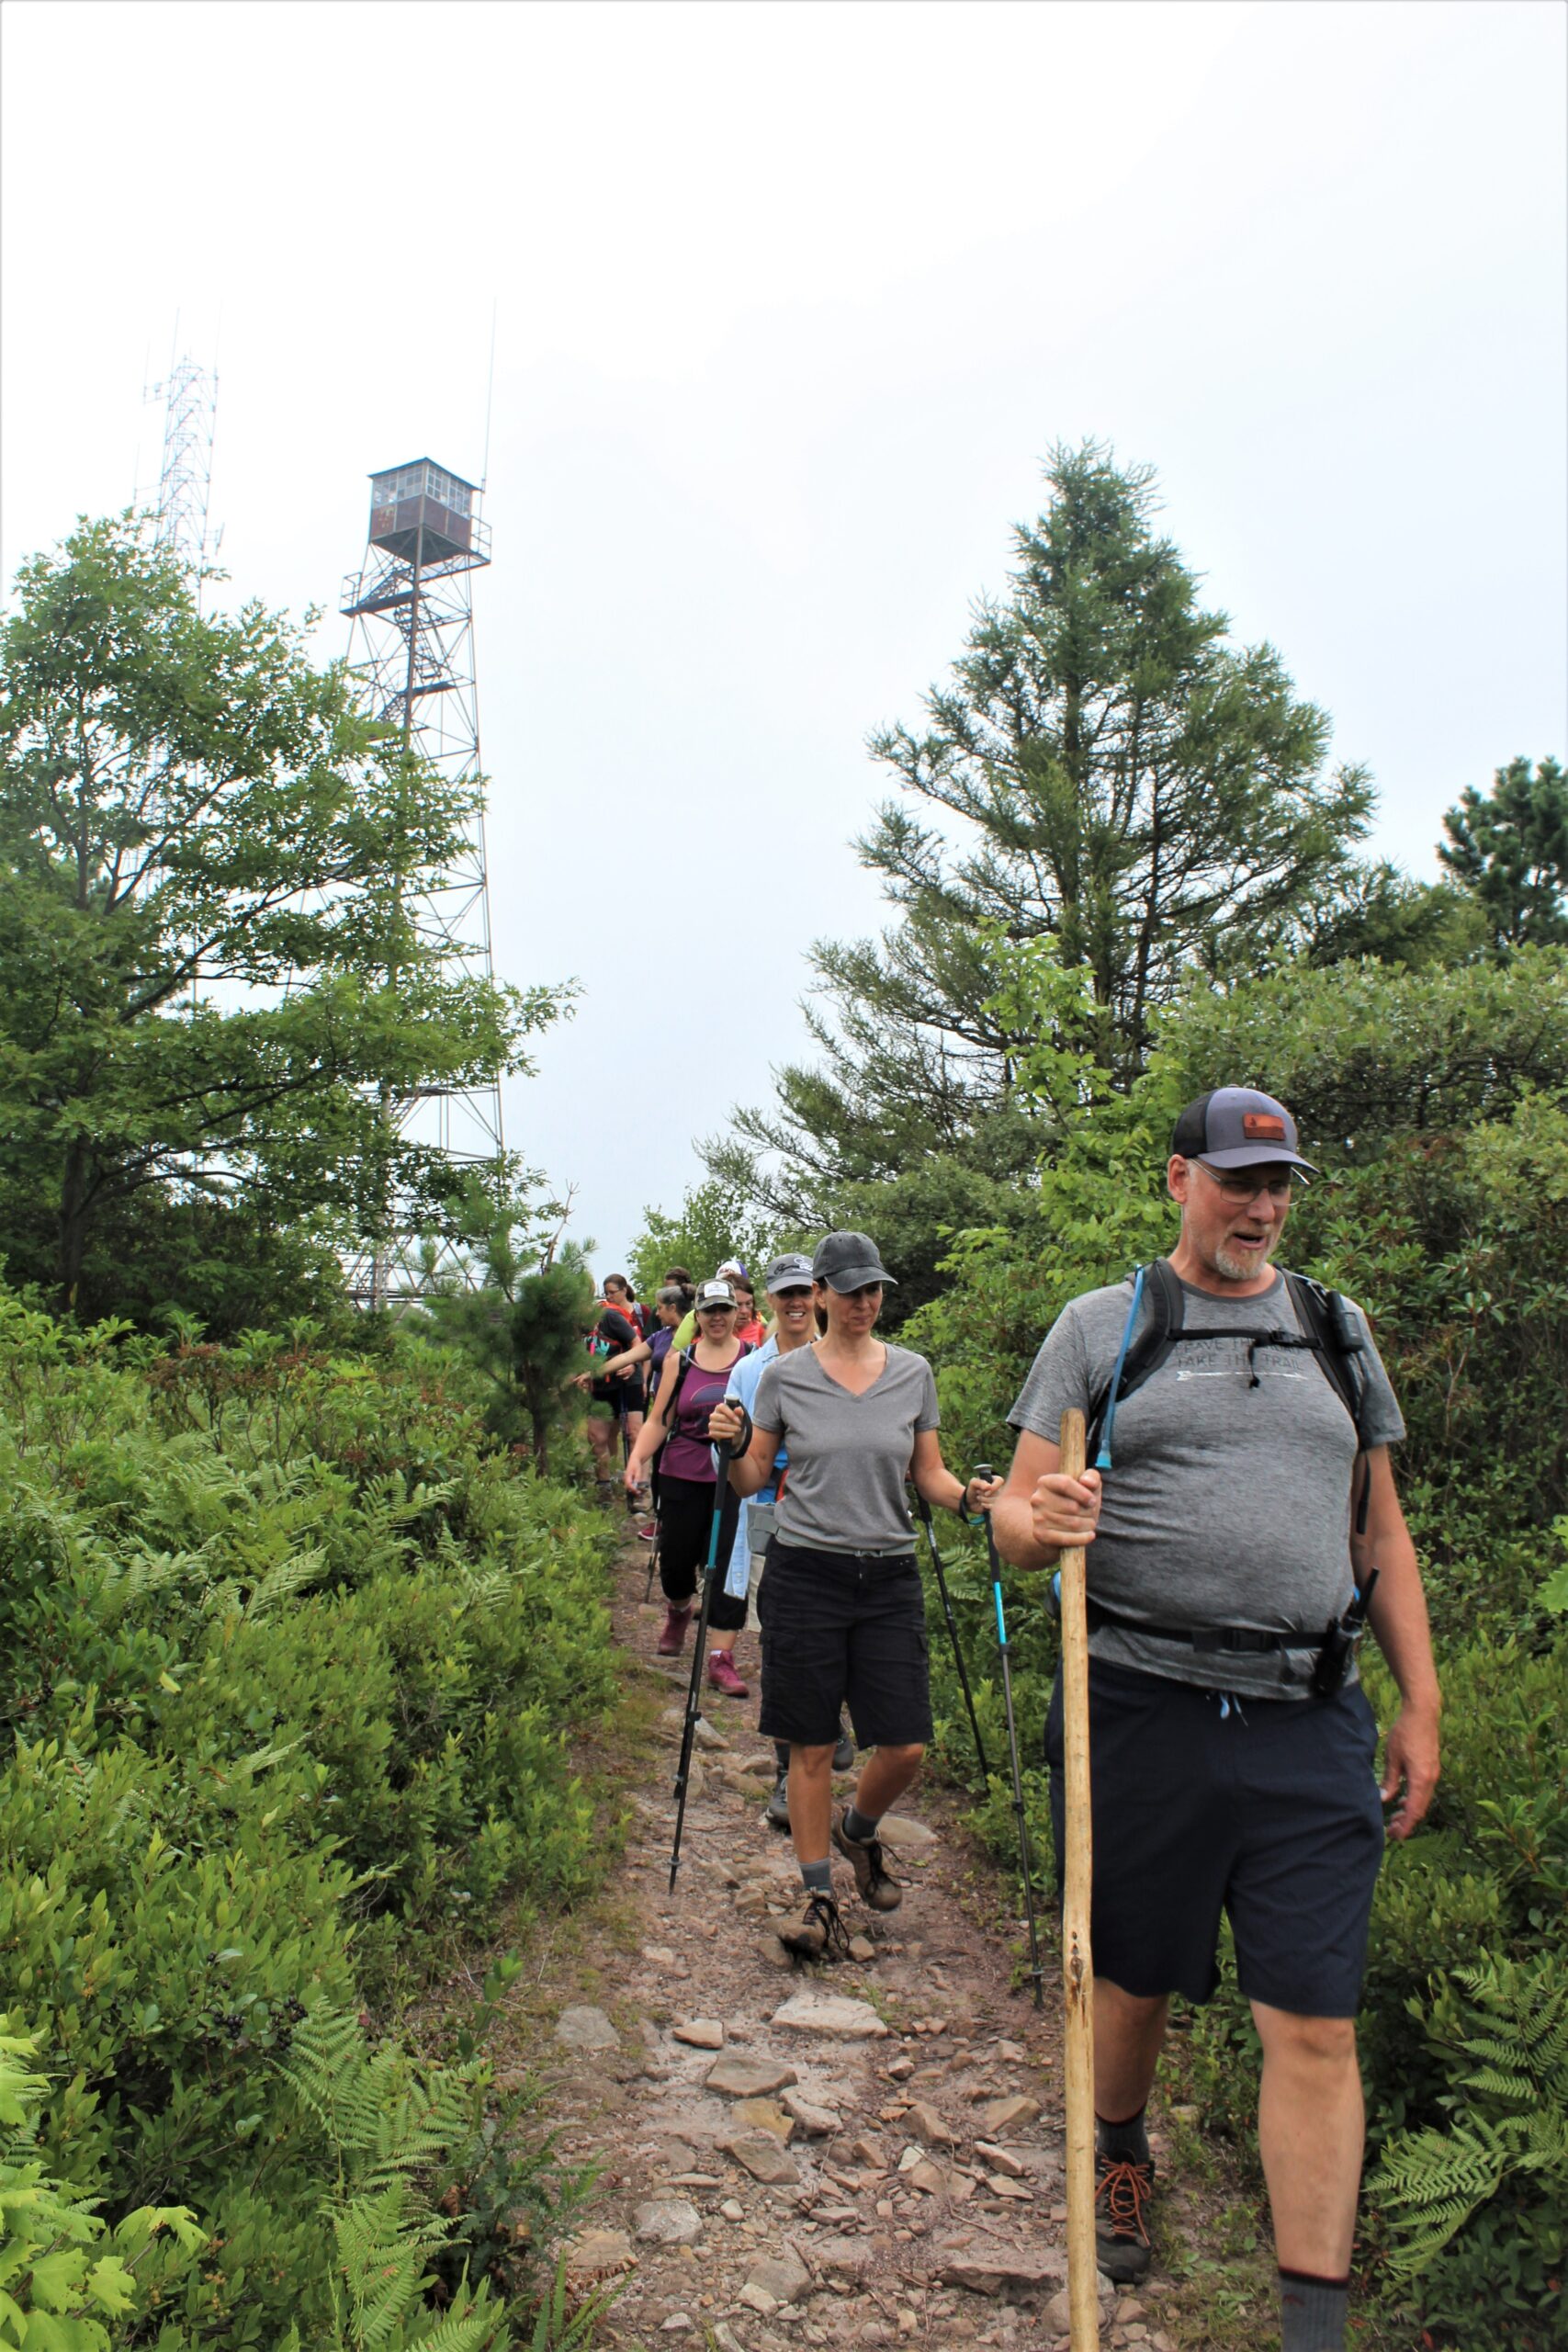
pixel 1228 1501
pixel 849 1456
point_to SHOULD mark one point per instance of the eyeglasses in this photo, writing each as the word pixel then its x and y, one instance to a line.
pixel 1241 1190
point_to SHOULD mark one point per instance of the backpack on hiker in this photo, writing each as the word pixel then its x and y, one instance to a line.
pixel 1330 1328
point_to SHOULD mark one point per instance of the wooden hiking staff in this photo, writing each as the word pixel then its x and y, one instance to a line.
pixel 1077 1958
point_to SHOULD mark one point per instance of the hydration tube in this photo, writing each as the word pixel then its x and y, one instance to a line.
pixel 1103 1459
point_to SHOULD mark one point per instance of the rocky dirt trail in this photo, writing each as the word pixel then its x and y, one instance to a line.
pixel 864 2154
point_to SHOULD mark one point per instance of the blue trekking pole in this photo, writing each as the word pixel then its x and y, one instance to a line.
pixel 983 1470
pixel 721 1447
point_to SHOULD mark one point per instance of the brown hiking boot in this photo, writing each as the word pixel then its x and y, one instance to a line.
pixel 877 1886
pixel 1122 2192
pixel 820 1934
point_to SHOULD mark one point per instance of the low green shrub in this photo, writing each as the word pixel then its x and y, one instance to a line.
pixel 292 1663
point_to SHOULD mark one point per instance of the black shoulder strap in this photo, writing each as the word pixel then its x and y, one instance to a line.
pixel 683 1366
pixel 1329 1321
pixel 1161 1315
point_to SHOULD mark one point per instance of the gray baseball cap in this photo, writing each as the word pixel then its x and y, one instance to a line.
pixel 849 1262
pixel 789 1272
pixel 1237 1126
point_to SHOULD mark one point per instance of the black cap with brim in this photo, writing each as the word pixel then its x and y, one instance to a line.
pixel 849 1261
pixel 1238 1126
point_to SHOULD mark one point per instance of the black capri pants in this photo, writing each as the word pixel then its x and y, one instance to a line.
pixel 685 1529
pixel 1266 1810
pixel 843 1628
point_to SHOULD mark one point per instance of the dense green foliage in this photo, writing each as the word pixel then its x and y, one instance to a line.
pixel 291 1664
pixel 214 994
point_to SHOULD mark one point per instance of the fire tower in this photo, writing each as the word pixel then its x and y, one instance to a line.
pixel 412 643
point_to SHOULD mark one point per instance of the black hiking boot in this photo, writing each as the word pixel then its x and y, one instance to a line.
pixel 820 1934
pixel 877 1886
pixel 1122 2193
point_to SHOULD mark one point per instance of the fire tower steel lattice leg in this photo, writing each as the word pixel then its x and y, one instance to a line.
pixel 412 643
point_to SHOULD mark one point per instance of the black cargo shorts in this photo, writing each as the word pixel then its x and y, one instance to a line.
pixel 1267 1813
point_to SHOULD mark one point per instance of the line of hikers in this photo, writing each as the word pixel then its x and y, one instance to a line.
pixel 1245 1530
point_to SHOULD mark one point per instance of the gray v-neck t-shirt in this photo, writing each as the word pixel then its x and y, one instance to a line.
pixel 849 1455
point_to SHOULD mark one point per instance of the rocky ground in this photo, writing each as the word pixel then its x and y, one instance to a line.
pixel 864 2154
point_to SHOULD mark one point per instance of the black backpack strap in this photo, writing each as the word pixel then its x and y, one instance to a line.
pixel 1160 1306
pixel 1333 1327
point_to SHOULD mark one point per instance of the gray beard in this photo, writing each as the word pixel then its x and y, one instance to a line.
pixel 1240 1270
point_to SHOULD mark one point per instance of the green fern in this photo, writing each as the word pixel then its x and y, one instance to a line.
pixel 388 2123
pixel 1510 2113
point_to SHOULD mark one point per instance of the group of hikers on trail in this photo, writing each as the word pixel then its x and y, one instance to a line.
pixel 1241 1527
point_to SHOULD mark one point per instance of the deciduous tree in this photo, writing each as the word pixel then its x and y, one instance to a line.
pixel 212 983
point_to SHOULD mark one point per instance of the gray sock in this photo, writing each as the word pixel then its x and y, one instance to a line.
pixel 1312 2313
pixel 857 1826
pixel 817 1877
pixel 1126 2142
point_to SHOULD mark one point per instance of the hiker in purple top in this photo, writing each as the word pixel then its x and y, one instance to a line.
pixel 692 1383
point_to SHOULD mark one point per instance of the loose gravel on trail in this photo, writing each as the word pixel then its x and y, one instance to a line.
pixel 863 2154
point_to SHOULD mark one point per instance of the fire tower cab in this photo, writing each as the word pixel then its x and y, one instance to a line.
pixel 420 513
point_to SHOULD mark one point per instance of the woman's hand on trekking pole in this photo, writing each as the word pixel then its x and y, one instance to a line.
pixel 726 1422
pixel 1065 1513
pixel 979 1495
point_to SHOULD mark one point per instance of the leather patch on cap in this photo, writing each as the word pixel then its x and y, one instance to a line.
pixel 1262 1126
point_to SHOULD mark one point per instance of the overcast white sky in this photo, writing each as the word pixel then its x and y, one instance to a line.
pixel 792 302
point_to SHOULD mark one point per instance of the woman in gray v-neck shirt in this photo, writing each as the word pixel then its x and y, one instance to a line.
pixel 840 1603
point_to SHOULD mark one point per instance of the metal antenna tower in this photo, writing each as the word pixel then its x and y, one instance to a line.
pixel 412 643
pixel 189 395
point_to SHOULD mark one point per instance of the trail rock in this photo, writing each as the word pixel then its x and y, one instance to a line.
pixel 742 1783
pixel 830 2013
pixel 582 2028
pixel 900 2070
pixel 757 2299
pixel 783 2277
pixel 819 2122
pixel 1003 2160
pixel 927 2177
pixel 901 1829
pixel 927 2124
pixel 850 2258
pixel 765 2115
pixel 764 1762
pixel 749 2077
pixel 1007 2114
pixel 659 1954
pixel 869 2150
pixel 668 2221
pixel 861 1949
pixel 600 2250
pixel 760 2154
pixel 1010 2272
pixel 700 2034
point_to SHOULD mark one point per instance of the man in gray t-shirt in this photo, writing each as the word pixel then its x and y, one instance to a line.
pixel 1241 1504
